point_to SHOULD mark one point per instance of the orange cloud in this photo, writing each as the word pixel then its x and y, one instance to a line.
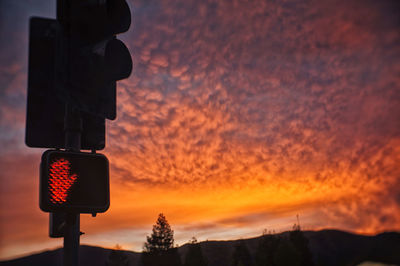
pixel 237 117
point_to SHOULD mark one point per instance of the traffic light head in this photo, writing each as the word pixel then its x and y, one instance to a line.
pixel 92 20
pixel 74 182
pixel 95 58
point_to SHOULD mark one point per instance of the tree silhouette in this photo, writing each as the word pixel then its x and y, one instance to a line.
pixel 159 249
pixel 194 255
pixel 162 237
pixel 241 255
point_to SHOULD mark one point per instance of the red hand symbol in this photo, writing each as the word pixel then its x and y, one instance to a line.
pixel 60 180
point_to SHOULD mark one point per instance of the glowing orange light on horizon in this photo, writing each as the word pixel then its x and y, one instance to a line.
pixel 60 180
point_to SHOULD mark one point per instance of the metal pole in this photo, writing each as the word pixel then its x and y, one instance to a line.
pixel 73 129
pixel 71 240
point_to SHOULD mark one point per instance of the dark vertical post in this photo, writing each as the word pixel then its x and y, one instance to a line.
pixel 71 240
pixel 73 129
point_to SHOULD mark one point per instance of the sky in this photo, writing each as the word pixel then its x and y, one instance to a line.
pixel 238 116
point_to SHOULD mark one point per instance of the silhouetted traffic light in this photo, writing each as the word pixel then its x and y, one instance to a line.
pixel 45 109
pixel 74 182
pixel 95 58
pixel 74 63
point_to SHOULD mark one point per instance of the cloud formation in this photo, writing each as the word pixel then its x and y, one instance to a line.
pixel 242 114
pixel 292 99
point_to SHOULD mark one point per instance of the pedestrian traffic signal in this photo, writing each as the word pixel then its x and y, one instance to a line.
pixel 74 182
pixel 95 58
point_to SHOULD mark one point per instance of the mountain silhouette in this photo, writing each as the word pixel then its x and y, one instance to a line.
pixel 329 247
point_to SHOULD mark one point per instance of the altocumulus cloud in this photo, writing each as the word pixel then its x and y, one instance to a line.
pixel 300 96
pixel 239 113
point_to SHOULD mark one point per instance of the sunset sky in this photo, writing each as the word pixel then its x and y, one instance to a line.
pixel 238 116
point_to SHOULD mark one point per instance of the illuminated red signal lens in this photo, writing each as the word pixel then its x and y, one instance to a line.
pixel 74 182
pixel 60 180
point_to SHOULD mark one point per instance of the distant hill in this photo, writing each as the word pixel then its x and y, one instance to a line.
pixel 329 248
pixel 88 256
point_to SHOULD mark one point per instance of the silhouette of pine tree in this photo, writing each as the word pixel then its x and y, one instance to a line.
pixel 159 250
pixel 162 237
pixel 241 255
pixel 194 255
